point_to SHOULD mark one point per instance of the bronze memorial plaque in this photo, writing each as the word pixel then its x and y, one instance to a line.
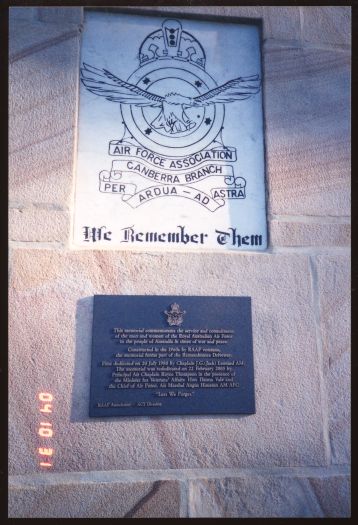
pixel 161 355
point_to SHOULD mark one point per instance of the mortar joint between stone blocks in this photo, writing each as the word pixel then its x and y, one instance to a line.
pixel 276 43
pixel 311 219
pixel 300 10
pixel 181 475
pixel 44 45
pixel 72 193
pixel 184 498
pixel 319 347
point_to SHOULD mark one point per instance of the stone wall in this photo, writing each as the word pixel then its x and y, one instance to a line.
pixel 291 459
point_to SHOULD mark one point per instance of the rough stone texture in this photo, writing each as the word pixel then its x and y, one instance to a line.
pixel 53 290
pixel 286 233
pixel 60 15
pixel 333 276
pixel 160 499
pixel 27 37
pixel 328 25
pixel 270 497
pixel 278 22
pixel 23 13
pixel 42 120
pixel 38 224
pixel 307 101
pixel 333 495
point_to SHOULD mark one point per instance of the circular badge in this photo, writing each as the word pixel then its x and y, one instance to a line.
pixel 177 128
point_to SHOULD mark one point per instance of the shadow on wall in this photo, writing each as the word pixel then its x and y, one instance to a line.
pixel 82 365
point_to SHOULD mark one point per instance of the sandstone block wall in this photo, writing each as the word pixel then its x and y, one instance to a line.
pixel 290 459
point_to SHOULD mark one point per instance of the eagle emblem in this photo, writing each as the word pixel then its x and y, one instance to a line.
pixel 175 315
pixel 172 116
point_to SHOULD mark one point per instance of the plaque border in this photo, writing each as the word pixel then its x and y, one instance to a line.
pixel 176 414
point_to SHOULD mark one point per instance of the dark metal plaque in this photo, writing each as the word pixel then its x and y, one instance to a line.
pixel 162 355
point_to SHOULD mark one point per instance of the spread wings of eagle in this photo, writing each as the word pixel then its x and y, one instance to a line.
pixel 172 117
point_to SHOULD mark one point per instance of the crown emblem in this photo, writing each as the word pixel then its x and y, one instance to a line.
pixel 175 315
pixel 172 42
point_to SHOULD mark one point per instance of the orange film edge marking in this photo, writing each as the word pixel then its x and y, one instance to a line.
pixel 45 432
pixel 46 409
pixel 45 396
pixel 45 451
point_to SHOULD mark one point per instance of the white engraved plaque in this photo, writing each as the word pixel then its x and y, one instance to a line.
pixel 170 145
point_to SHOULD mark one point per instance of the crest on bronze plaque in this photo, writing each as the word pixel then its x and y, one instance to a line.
pixel 175 315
